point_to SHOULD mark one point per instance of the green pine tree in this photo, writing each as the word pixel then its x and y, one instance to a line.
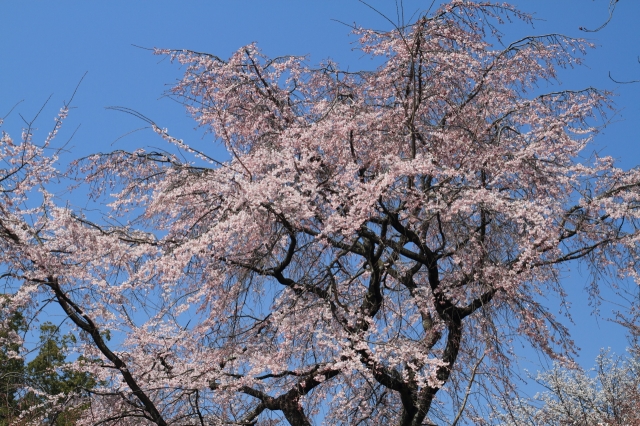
pixel 48 372
pixel 11 367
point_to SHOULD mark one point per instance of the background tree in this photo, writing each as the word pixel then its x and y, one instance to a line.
pixel 370 253
pixel 44 387
pixel 11 364
pixel 51 386
pixel 608 394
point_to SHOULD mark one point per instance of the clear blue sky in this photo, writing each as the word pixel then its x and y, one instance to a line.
pixel 46 47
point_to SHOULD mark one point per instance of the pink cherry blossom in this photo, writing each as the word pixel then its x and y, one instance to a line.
pixel 371 251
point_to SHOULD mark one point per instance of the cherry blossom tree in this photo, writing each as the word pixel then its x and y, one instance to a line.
pixel 369 253
pixel 609 394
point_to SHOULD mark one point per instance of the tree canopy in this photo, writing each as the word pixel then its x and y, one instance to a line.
pixel 369 254
pixel 608 394
pixel 41 388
